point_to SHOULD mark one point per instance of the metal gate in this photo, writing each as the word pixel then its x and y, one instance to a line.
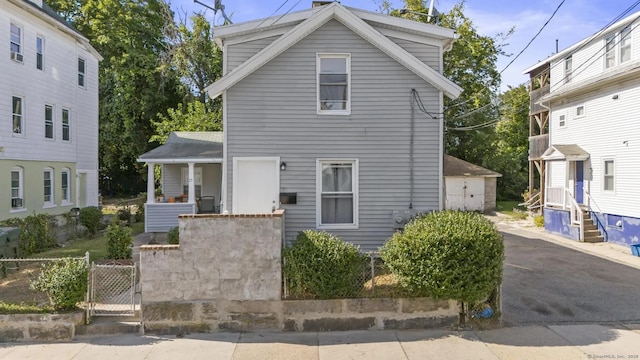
pixel 112 290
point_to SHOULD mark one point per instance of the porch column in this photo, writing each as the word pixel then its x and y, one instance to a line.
pixel 192 184
pixel 150 183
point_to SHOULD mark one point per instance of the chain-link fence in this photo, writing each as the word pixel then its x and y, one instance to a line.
pixel 373 280
pixel 112 290
pixel 16 276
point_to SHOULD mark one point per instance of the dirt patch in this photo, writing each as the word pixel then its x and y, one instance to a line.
pixel 15 281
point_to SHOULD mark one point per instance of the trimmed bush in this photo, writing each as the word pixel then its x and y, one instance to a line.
pixel 91 218
pixel 173 236
pixel 119 241
pixel 36 233
pixel 64 282
pixel 125 215
pixel 320 265
pixel 447 255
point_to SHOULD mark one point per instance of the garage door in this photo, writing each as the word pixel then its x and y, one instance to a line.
pixel 464 194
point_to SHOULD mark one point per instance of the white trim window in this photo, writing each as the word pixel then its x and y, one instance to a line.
pixel 580 112
pixel 15 42
pixel 48 187
pixel 562 121
pixel 39 52
pixel 337 194
pixel 65 185
pixel 17 188
pixel 334 84
pixel 82 69
pixel 608 174
pixel 48 122
pixel 17 106
pixel 197 181
pixel 66 125
pixel 618 48
pixel 568 69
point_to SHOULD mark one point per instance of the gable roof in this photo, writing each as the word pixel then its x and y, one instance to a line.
pixel 187 146
pixel 571 152
pixel 458 167
pixel 355 24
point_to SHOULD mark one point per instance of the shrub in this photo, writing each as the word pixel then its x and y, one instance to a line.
pixel 64 281
pixel 36 233
pixel 322 266
pixel 539 221
pixel 139 215
pixel 124 215
pixel 519 214
pixel 91 218
pixel 119 241
pixel 447 255
pixel 173 236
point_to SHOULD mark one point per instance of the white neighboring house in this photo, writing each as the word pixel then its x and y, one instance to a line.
pixel 49 112
pixel 592 168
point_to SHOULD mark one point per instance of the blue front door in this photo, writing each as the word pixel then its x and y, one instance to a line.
pixel 579 194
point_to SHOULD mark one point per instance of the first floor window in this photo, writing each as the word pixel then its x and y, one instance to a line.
pixel 197 172
pixel 608 180
pixel 562 121
pixel 337 187
pixel 16 188
pixel 333 83
pixel 48 121
pixel 17 108
pixel 64 182
pixel 66 125
pixel 48 186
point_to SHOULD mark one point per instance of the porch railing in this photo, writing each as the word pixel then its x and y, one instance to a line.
pixel 555 195
pixel 577 216
pixel 592 204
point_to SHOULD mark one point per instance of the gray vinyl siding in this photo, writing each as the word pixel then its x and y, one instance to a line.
pixel 163 217
pixel 428 54
pixel 239 53
pixel 272 112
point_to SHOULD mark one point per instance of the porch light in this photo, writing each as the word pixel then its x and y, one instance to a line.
pixel 283 166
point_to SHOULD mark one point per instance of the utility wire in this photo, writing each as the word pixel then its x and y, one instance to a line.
pixel 288 11
pixel 273 13
pixel 534 37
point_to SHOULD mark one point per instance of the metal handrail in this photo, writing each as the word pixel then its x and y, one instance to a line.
pixel 577 217
pixel 599 224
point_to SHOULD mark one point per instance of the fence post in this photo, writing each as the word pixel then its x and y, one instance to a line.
pixel 373 274
pixel 86 296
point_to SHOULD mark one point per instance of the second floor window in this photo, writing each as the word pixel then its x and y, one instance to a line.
pixel 66 125
pixel 16 39
pixel 17 115
pixel 568 69
pixel 618 48
pixel 48 121
pixel 333 84
pixel 81 72
pixel 39 52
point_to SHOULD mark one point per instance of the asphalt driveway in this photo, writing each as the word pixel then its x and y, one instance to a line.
pixel 545 283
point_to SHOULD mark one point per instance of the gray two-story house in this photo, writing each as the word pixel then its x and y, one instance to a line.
pixel 335 115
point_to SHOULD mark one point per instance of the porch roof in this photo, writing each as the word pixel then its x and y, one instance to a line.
pixel 571 152
pixel 187 146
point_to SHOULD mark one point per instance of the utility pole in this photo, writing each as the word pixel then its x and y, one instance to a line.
pixel 218 6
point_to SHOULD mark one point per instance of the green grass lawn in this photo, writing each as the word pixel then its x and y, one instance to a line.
pixel 507 208
pixel 96 247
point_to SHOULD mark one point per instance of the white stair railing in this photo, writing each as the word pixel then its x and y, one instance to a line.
pixel 577 217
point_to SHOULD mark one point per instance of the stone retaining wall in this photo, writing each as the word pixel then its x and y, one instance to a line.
pixel 39 327
pixel 299 315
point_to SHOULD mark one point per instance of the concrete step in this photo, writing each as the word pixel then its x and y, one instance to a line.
pixel 588 225
pixel 110 326
pixel 593 237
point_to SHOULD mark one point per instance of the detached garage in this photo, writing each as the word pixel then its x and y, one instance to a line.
pixel 468 186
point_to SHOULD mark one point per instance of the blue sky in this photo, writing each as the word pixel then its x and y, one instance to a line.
pixel 575 20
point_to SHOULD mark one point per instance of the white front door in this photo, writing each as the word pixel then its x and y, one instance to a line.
pixel 256 185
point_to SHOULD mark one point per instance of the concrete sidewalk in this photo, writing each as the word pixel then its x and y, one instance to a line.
pixel 590 341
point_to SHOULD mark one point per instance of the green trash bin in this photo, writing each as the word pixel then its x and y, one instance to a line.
pixel 9 242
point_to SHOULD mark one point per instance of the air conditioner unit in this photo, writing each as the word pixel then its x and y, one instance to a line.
pixel 16 203
pixel 402 217
pixel 16 56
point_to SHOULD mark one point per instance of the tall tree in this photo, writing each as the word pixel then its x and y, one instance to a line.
pixel 512 144
pixel 471 63
pixel 133 85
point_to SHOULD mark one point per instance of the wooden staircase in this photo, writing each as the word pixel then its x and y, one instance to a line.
pixel 591 232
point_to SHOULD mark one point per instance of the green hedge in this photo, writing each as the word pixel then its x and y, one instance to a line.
pixel 36 233
pixel 64 282
pixel 91 218
pixel 319 265
pixel 119 241
pixel 447 255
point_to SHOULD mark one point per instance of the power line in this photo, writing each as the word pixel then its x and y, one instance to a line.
pixel 273 13
pixel 534 37
pixel 288 11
